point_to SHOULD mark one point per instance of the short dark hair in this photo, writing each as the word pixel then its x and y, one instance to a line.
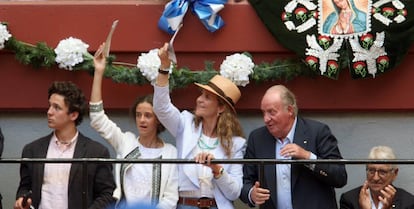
pixel 148 99
pixel 73 97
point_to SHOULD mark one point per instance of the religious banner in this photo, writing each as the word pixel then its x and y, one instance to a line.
pixel 368 37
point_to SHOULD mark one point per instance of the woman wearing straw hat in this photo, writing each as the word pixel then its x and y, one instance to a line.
pixel 212 131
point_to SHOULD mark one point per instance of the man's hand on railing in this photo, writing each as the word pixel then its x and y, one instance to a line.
pixel 24 202
pixel 259 195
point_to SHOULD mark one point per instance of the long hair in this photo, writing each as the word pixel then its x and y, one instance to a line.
pixel 227 126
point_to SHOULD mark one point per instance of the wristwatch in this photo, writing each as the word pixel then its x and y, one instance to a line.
pixel 165 71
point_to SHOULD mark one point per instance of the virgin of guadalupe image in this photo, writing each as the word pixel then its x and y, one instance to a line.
pixel 345 19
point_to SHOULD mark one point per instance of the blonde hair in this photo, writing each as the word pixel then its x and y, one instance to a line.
pixel 227 126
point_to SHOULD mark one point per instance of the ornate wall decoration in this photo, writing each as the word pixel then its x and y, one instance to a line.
pixel 367 37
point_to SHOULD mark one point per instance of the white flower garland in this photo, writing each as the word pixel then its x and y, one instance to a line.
pixel 70 52
pixel 237 68
pixel 4 35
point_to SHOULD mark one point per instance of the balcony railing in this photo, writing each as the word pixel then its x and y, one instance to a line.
pixel 260 162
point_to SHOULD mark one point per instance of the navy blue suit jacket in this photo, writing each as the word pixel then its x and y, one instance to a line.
pixel 311 189
pixel 402 199
pixel 100 182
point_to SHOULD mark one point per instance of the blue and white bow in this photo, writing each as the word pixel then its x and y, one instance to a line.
pixel 206 11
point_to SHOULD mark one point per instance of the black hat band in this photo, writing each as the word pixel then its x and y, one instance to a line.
pixel 219 91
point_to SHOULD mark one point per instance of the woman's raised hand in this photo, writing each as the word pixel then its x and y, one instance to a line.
pixel 163 55
pixel 99 59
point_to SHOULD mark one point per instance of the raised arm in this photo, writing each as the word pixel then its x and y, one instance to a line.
pixel 166 112
pixel 99 61
pixel 162 79
pixel 99 120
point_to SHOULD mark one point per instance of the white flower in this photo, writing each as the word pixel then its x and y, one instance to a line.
pixel 4 35
pixel 69 52
pixel 148 64
pixel 237 68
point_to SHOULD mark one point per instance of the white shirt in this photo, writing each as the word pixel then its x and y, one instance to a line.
pixel 138 179
pixel 372 202
pixel 56 175
pixel 283 174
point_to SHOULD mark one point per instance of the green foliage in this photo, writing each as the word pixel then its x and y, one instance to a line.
pixel 42 56
pixel 278 70
pixel 37 56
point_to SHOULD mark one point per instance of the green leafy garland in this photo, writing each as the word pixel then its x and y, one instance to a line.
pixel 42 56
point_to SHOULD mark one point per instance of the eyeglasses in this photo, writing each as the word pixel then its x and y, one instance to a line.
pixel 381 172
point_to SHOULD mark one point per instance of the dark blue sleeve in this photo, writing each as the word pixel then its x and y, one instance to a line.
pixel 1 142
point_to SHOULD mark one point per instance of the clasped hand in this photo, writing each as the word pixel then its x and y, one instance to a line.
pixel 205 159
pixel 386 197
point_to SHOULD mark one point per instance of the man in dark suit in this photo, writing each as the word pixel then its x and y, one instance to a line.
pixel 54 185
pixel 288 136
pixel 378 191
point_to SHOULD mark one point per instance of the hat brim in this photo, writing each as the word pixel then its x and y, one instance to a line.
pixel 208 88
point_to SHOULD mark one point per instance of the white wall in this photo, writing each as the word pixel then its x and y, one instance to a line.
pixel 356 133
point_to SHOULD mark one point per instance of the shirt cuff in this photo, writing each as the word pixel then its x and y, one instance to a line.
pixel 95 106
pixel 311 157
pixel 248 196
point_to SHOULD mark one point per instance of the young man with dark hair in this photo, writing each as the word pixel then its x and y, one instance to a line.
pixel 61 185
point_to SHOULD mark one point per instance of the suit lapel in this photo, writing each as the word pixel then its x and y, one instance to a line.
pixel 188 147
pixel 80 150
pixel 190 138
pixel 300 139
pixel 268 146
pixel 41 153
pixel 397 201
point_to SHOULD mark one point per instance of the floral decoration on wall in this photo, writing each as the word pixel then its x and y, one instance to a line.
pixel 72 54
pixel 368 37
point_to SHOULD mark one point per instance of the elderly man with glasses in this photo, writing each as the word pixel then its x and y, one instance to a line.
pixel 378 191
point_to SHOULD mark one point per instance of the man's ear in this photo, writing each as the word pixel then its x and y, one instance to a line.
pixel 74 115
pixel 290 110
pixel 396 172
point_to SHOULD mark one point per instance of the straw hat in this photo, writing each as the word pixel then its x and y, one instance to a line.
pixel 224 88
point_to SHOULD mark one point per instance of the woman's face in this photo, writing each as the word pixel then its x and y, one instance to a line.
pixel 207 105
pixel 341 4
pixel 145 119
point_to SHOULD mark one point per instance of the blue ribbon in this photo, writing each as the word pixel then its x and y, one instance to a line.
pixel 206 11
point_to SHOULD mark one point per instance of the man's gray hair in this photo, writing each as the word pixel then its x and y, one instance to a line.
pixel 382 153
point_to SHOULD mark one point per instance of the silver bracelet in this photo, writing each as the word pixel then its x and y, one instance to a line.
pixel 96 107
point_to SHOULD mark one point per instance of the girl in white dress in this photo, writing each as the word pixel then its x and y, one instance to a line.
pixel 151 184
